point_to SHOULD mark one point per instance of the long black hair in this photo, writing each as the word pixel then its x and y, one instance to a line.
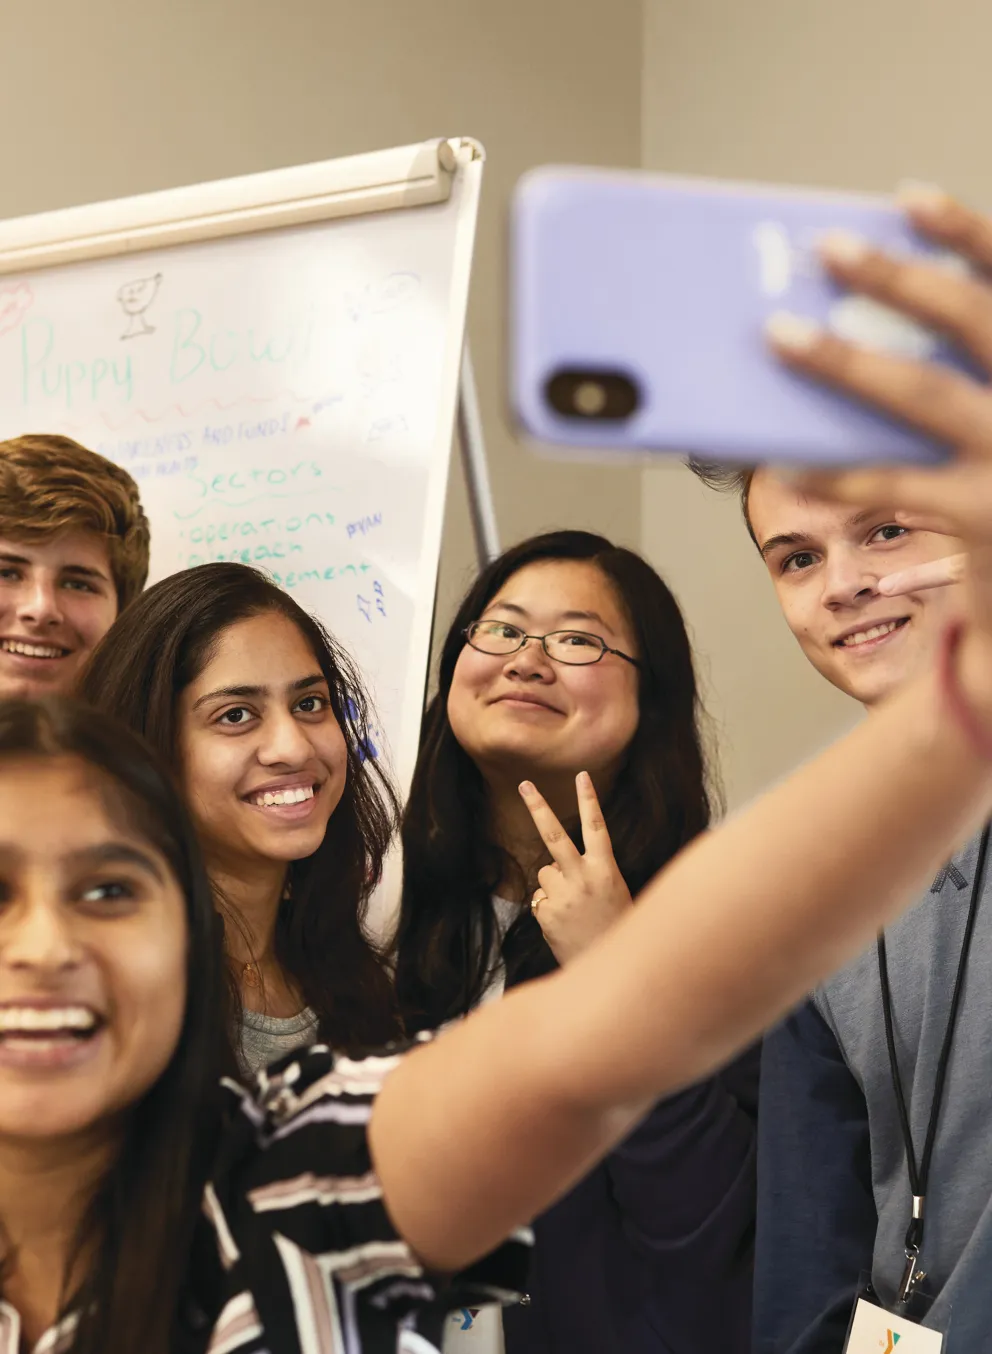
pixel 452 862
pixel 152 652
pixel 134 1241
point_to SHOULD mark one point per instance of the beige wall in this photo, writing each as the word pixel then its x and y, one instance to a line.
pixel 848 95
pixel 107 99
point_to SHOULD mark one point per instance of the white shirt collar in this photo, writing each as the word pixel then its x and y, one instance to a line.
pixel 54 1340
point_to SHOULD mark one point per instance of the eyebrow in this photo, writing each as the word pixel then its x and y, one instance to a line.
pixel 77 570
pixel 791 539
pixel 233 692
pixel 107 853
pixel 116 853
pixel 564 616
pixel 788 538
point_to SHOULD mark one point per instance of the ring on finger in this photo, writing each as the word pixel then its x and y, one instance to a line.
pixel 539 897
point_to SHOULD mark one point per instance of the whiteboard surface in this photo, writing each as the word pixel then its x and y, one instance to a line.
pixel 285 399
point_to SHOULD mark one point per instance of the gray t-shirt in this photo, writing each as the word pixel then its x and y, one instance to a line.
pixel 266 1038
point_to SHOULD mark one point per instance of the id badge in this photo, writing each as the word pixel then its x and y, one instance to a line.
pixel 876 1331
pixel 474 1330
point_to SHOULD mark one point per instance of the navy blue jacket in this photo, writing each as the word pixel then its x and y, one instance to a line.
pixel 652 1253
pixel 834 1196
pixel 816 1210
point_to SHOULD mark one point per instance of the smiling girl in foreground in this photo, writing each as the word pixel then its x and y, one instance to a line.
pixel 264 720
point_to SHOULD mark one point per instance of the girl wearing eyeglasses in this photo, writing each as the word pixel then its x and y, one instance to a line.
pixel 569 654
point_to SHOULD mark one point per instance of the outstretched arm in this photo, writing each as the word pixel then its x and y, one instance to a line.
pixel 484 1128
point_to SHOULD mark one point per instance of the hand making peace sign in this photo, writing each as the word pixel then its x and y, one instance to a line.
pixel 580 896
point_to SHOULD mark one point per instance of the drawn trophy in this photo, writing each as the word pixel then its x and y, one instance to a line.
pixel 135 298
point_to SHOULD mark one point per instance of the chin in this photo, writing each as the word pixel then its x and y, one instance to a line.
pixel 869 688
pixel 46 1118
pixel 289 846
pixel 515 743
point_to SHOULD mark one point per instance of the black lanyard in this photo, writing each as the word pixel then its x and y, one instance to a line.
pixel 919 1173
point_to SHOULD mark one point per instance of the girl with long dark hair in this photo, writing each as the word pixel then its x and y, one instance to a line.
pixel 507 706
pixel 570 654
pixel 263 719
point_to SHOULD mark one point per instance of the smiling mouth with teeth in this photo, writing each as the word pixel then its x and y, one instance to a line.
pixel 871 632
pixel 47 1024
pixel 298 794
pixel 29 650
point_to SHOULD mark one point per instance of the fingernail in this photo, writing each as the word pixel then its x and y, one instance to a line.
pixel 584 779
pixel 792 331
pixel 525 787
pixel 843 246
pixel 926 198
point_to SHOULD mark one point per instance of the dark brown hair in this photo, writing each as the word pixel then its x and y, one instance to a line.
pixel 153 651
pixel 452 863
pixel 51 484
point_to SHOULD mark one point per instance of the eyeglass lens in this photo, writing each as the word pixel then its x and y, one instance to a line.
pixel 565 646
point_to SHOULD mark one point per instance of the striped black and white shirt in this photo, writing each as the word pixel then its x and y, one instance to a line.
pixel 297 1254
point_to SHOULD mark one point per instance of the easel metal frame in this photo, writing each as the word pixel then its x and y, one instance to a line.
pixel 481 506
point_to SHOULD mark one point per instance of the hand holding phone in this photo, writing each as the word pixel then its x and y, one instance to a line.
pixel 954 407
pixel 639 307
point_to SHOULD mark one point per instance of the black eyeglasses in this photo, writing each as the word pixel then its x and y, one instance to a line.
pixel 574 647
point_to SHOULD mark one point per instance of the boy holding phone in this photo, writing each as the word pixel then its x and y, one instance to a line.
pixel 835 1193
pixel 74 544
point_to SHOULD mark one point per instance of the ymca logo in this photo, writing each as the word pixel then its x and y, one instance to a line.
pixel 893 1340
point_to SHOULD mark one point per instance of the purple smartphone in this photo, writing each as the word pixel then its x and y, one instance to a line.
pixel 638 303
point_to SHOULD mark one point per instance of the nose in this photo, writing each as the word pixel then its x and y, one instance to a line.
pixel 36 934
pixel 529 664
pixel 38 602
pixel 848 580
pixel 284 742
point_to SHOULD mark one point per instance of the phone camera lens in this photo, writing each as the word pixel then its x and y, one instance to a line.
pixel 594 396
pixel 589 398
